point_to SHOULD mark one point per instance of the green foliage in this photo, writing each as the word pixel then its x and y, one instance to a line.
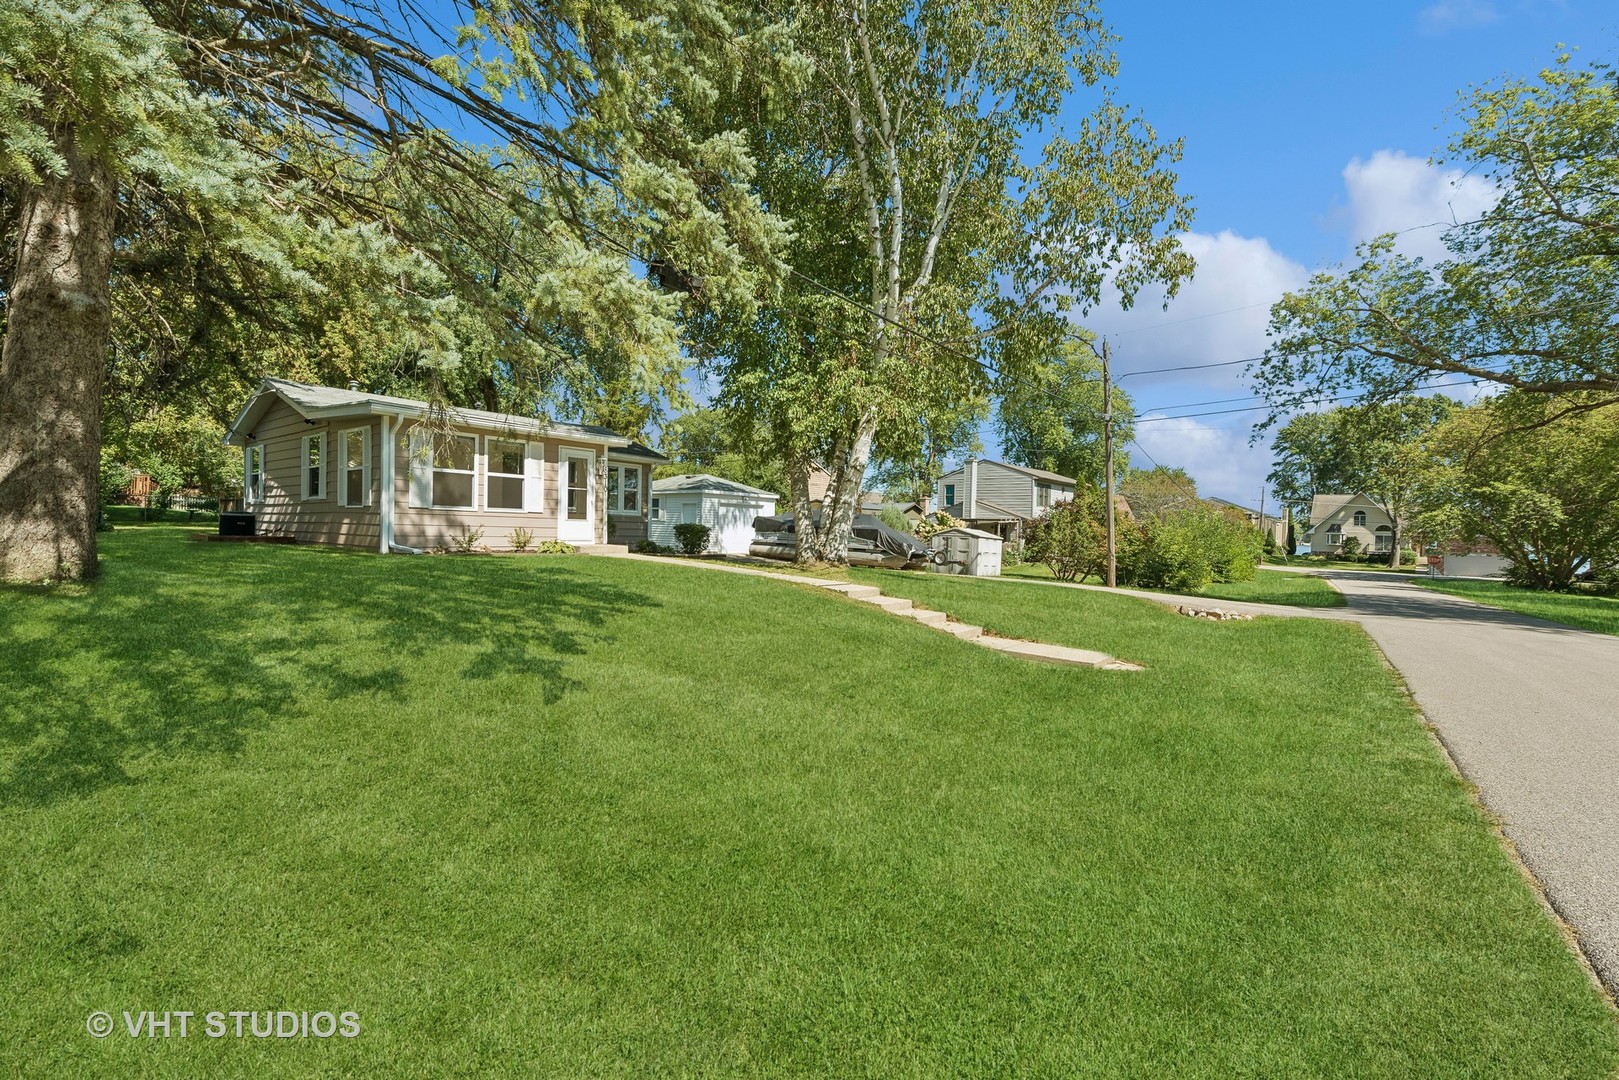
pixel 1529 292
pixel 1537 476
pixel 693 537
pixel 1158 491
pixel 1051 416
pixel 1350 547
pixel 1186 550
pixel 1071 538
pixel 520 539
pixel 894 519
pixel 468 542
pixel 652 547
pixel 712 440
pixel 928 524
pixel 1310 459
pixel 555 547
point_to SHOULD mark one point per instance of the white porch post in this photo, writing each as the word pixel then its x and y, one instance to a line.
pixel 385 506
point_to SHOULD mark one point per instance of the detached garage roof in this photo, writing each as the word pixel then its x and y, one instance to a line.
pixel 707 484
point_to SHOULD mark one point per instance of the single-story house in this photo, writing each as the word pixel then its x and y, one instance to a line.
pixel 997 497
pixel 725 506
pixel 334 466
pixel 1335 518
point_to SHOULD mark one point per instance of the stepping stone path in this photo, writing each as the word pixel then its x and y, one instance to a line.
pixel 937 620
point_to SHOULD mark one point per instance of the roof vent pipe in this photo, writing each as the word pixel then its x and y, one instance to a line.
pixel 354 384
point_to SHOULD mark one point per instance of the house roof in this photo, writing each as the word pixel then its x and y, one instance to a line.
pixel 1324 506
pixel 997 513
pixel 330 402
pixel 1039 474
pixel 636 450
pixel 708 484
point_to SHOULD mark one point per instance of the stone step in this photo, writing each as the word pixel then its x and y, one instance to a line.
pixel 964 631
pixel 894 605
pixel 935 619
pixel 858 592
pixel 1055 654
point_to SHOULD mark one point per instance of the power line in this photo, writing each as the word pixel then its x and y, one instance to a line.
pixel 1313 401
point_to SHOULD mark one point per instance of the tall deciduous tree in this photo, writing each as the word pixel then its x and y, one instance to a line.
pixel 261 124
pixel 1387 456
pixel 1529 294
pixel 1536 478
pixel 1310 459
pixel 906 169
pixel 1051 416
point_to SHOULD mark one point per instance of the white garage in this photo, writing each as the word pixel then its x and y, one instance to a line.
pixel 725 506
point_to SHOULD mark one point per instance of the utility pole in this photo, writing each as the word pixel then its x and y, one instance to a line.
pixel 1107 444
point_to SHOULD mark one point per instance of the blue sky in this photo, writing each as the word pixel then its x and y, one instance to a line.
pixel 1308 127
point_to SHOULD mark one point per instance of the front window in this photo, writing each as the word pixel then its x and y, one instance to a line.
pixel 1384 539
pixel 454 458
pixel 1334 534
pixel 255 474
pixel 505 475
pixel 1360 518
pixel 950 494
pixel 314 466
pixel 624 488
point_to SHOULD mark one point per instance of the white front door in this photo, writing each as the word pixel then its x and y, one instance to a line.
pixel 576 504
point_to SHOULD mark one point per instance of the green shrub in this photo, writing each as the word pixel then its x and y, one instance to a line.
pixel 555 547
pixel 1350 547
pixel 894 519
pixel 1408 557
pixel 932 523
pixel 1071 538
pixel 692 536
pixel 1187 550
pixel 652 547
pixel 467 542
pixel 520 539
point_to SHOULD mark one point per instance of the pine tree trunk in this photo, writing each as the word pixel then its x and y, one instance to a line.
pixel 51 370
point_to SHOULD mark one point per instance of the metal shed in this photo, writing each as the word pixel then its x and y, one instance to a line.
pixel 970 552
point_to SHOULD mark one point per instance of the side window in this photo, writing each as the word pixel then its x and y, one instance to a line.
pixel 949 494
pixel 356 478
pixel 657 511
pixel 255 474
pixel 314 466
pixel 1360 517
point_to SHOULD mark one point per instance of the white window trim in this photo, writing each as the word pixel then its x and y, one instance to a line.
pixel 526 476
pixel 365 466
pixel 654 508
pixel 433 470
pixel 1360 519
pixel 303 466
pixel 622 470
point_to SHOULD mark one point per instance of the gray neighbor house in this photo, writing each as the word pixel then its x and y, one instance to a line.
pixel 1000 498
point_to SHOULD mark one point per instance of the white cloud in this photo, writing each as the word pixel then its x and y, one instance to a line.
pixel 1449 15
pixel 1219 315
pixel 1219 459
pixel 1394 192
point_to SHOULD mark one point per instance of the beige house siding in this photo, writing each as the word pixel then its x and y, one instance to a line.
pixel 425 527
pixel 1344 517
pixel 284 511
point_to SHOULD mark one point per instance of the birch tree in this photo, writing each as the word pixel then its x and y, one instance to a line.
pixel 937 244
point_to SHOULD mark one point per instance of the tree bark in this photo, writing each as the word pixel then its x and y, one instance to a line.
pixel 51 370
pixel 808 550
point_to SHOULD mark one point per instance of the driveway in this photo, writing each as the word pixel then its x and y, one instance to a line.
pixel 1530 711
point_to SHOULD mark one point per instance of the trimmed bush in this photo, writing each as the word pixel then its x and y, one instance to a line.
pixel 692 536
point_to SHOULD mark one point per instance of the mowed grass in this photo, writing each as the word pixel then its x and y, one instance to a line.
pixel 1267 587
pixel 587 817
pixel 1599 613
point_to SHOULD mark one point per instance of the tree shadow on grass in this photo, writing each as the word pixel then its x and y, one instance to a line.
pixel 190 649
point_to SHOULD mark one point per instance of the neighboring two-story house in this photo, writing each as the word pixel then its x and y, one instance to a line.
pixel 1001 498
pixel 1335 518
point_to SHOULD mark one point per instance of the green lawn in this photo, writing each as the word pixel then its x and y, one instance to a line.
pixel 1599 613
pixel 579 817
pixel 1267 587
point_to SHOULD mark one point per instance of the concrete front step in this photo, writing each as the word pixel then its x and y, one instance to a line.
pixel 935 619
pixel 964 631
pixel 1055 654
pixel 894 605
pixel 858 592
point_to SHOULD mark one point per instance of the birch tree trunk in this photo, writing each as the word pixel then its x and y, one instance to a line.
pixel 51 370
pixel 809 548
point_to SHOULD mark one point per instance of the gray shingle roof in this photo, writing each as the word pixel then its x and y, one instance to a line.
pixel 708 484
